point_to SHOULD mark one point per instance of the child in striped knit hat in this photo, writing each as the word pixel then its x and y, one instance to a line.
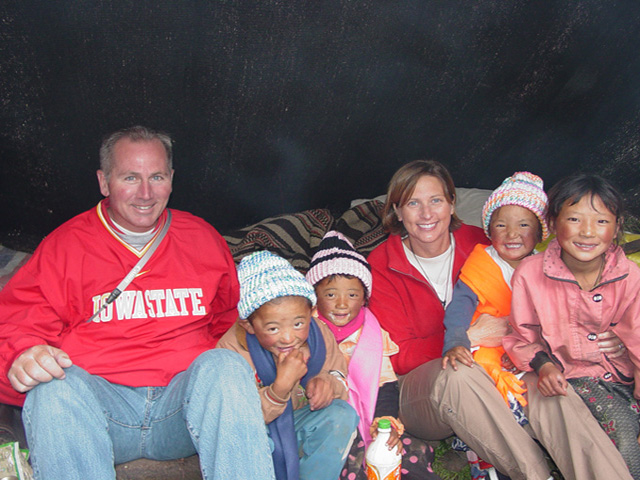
pixel 342 280
pixel 513 218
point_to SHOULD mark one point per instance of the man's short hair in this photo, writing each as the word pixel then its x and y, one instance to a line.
pixel 137 133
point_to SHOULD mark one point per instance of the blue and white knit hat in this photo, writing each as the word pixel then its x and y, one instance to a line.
pixel 264 276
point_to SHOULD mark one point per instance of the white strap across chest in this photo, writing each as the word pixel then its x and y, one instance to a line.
pixel 122 286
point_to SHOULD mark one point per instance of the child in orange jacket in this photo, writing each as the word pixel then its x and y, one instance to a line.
pixel 514 219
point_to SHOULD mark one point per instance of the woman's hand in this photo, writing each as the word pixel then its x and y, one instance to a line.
pixel 455 355
pixel 610 344
pixel 488 331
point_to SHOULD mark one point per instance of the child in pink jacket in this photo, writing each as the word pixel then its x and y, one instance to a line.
pixel 580 286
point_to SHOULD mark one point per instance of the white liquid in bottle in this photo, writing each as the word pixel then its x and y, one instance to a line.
pixel 382 463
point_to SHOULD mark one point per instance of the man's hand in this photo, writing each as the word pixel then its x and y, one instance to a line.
pixel 39 364
pixel 488 331
pixel 457 354
pixel 319 393
pixel 551 381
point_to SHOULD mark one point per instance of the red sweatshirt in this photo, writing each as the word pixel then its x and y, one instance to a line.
pixel 178 306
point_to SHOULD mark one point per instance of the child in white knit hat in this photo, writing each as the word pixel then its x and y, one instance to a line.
pixel 300 372
pixel 513 218
pixel 342 280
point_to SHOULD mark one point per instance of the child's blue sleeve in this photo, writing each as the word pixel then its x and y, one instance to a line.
pixel 457 317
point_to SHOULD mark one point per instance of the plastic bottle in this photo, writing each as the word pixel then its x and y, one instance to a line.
pixel 382 463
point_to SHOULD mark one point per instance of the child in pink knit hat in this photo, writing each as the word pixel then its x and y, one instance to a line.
pixel 342 280
pixel 513 218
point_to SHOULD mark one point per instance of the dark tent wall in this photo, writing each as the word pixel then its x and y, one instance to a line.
pixel 282 105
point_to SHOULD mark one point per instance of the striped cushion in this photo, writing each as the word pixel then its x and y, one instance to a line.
pixel 292 236
pixel 10 262
pixel 362 225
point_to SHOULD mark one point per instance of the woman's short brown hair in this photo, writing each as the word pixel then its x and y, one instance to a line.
pixel 402 185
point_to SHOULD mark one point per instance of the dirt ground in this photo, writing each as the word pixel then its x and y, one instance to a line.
pixel 188 468
pixel 181 469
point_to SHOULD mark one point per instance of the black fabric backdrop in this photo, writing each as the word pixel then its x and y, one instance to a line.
pixel 282 105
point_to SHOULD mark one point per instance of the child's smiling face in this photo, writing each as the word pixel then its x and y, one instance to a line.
pixel 281 325
pixel 515 231
pixel 340 298
pixel 584 231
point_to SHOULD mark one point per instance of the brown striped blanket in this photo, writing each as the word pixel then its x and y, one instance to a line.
pixel 296 236
pixel 10 262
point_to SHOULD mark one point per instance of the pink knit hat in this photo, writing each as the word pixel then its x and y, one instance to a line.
pixel 336 256
pixel 523 189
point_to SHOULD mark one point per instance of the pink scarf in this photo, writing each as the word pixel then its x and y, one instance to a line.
pixel 364 367
pixel 343 332
pixel 364 373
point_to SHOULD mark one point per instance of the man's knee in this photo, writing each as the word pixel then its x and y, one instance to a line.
pixel 221 371
pixel 220 359
pixel 59 391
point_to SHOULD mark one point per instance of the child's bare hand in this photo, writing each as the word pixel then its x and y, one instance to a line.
pixel 319 393
pixel 291 367
pixel 507 364
pixel 394 436
pixel 551 381
pixel 457 354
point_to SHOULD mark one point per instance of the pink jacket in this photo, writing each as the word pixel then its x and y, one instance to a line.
pixel 405 303
pixel 550 313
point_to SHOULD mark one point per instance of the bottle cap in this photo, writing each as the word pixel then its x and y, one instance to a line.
pixel 384 423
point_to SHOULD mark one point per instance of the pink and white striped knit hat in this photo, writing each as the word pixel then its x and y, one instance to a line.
pixel 336 256
pixel 523 189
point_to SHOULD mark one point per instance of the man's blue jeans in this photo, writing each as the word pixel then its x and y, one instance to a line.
pixel 79 427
